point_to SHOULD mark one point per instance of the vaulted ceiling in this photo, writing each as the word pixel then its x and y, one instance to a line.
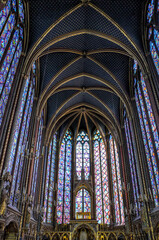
pixel 84 49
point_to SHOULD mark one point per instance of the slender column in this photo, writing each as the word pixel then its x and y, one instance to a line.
pixel 127 197
pixel 73 171
pixel 41 192
pixel 34 151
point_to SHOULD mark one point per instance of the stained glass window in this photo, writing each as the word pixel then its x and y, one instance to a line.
pixel 11 43
pixel 150 10
pixel 19 137
pixel 37 155
pixel 149 133
pixel 116 180
pixel 64 179
pixel 82 156
pixel 83 204
pixel 101 179
pixel 49 184
pixel 153 33
pixel 132 162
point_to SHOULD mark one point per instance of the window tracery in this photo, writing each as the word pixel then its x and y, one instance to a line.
pixel 152 32
pixel 20 135
pixel 11 44
pixel 64 179
pixel 82 155
pixel 101 179
pixel 149 131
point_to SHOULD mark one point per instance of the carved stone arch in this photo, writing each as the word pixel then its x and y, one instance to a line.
pixel 12 218
pixel 121 236
pixel 11 230
pixel 82 226
pixel 56 236
pixel 112 236
pixel 65 236
pixel 83 184
pixel 102 236
pixel 156 231
pixel 46 236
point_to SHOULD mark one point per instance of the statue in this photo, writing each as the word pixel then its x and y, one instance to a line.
pixel 5 182
pixel 83 235
pixel 28 211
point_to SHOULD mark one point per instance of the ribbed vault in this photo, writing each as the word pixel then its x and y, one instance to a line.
pixel 84 55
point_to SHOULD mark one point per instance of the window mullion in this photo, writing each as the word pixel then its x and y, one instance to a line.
pixel 64 183
pixel 117 178
pixel 101 175
pixel 9 40
pixel 145 137
pixel 23 137
pixel 19 133
pixel 148 119
pixel 130 142
pixel 148 142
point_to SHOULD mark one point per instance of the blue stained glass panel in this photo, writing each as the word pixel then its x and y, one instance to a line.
pixel 21 10
pixel 156 38
pixel 154 55
pixel 153 184
pixel 150 11
pixel 150 114
pixel 10 77
pixel 135 66
pixel 150 32
pixel 4 14
pixel 4 38
pixel 17 126
pixel 14 3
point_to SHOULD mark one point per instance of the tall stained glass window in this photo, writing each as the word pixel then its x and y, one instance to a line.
pixel 149 131
pixel 11 44
pixel 83 204
pixel 20 135
pixel 153 32
pixel 132 161
pixel 49 183
pixel 116 180
pixel 64 179
pixel 101 179
pixel 82 156
pixel 37 155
